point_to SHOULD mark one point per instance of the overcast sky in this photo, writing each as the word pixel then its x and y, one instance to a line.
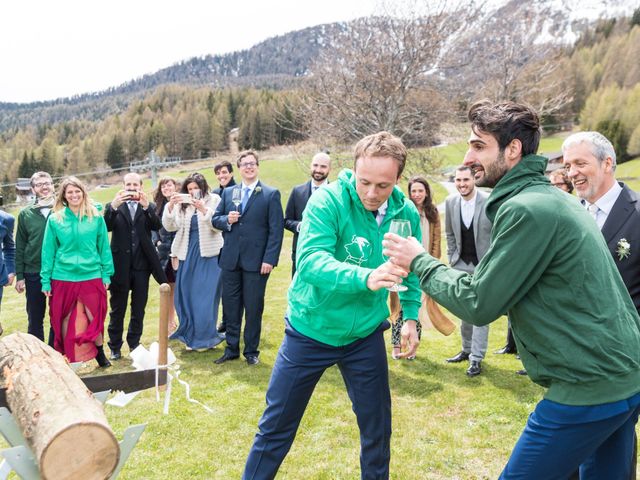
pixel 51 49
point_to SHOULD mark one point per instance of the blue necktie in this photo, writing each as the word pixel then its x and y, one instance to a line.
pixel 245 197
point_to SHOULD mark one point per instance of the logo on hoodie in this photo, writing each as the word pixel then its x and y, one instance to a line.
pixel 358 251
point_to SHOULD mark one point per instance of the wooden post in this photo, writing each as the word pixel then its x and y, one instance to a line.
pixel 64 425
pixel 163 328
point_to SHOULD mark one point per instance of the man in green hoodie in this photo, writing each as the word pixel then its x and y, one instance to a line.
pixel 338 308
pixel 575 326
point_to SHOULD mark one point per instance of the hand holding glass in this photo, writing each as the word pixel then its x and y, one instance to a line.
pixel 401 228
pixel 236 197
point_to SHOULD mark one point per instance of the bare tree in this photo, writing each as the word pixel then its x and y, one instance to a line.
pixel 381 73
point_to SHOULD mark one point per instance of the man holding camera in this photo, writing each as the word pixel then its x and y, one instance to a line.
pixel 130 218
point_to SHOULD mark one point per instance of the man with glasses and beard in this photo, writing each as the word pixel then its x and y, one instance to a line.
pixel 320 168
pixel 32 221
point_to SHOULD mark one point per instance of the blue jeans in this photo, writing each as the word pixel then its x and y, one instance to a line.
pixel 299 365
pixel 553 444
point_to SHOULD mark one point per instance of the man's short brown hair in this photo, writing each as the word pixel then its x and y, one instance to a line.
pixel 381 144
pixel 247 153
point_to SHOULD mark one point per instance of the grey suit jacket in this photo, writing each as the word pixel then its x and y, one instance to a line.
pixel 453 224
pixel 624 222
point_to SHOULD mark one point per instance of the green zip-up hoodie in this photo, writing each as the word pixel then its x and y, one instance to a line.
pixel 75 250
pixel 29 235
pixel 339 245
pixel 548 266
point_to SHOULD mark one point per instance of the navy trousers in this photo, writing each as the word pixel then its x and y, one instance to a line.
pixel 551 448
pixel 243 292
pixel 299 365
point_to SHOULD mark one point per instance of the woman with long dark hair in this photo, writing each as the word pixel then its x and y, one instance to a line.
pixel 196 245
pixel 76 271
pixel 167 186
pixel 420 193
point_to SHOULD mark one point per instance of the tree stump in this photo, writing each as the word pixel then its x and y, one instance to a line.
pixel 63 423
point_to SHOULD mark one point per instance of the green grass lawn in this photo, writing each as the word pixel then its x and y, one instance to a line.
pixel 445 425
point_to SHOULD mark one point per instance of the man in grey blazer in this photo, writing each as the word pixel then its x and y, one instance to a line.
pixel 468 232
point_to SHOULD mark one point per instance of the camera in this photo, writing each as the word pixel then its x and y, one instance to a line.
pixel 132 195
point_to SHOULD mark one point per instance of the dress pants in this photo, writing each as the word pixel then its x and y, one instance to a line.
pixel 552 448
pixel 36 306
pixel 139 288
pixel 299 365
pixel 474 339
pixel 243 292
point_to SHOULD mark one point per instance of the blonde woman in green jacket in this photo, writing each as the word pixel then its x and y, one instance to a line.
pixel 76 271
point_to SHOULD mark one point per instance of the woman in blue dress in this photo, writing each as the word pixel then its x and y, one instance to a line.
pixel 196 245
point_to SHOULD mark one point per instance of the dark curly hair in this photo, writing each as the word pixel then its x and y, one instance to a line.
pixel 507 121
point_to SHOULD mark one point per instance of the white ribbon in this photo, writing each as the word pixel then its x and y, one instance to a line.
pixel 144 359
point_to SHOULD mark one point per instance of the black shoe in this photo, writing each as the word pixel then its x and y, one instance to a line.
pixel 252 360
pixel 115 354
pixel 460 357
pixel 475 368
pixel 222 328
pixel 102 359
pixel 225 358
pixel 521 372
pixel 506 350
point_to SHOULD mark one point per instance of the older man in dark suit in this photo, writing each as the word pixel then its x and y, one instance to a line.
pixel 130 218
pixel 590 161
pixel 320 168
pixel 252 232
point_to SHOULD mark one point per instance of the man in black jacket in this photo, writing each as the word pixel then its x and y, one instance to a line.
pixel 320 168
pixel 131 218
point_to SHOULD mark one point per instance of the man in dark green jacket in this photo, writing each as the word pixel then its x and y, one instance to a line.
pixel 338 308
pixel 32 221
pixel 575 326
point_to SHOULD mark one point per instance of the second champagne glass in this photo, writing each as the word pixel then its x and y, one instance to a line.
pixel 402 228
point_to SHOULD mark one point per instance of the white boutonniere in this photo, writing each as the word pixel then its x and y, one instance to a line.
pixel 624 249
pixel 258 189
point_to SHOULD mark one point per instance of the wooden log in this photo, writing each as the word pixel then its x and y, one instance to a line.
pixel 163 327
pixel 63 423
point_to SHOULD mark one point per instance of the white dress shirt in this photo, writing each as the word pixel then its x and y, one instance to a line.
pixel 605 204
pixel 468 208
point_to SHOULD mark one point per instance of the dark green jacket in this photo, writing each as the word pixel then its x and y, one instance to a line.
pixel 340 244
pixel 29 236
pixel 577 331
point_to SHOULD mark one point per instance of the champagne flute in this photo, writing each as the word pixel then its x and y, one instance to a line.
pixel 236 197
pixel 402 228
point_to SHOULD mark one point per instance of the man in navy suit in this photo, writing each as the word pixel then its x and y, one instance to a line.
pixel 252 235
pixel 320 168
pixel 7 253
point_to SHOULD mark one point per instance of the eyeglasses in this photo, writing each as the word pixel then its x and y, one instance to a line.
pixel 248 164
pixel 42 184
